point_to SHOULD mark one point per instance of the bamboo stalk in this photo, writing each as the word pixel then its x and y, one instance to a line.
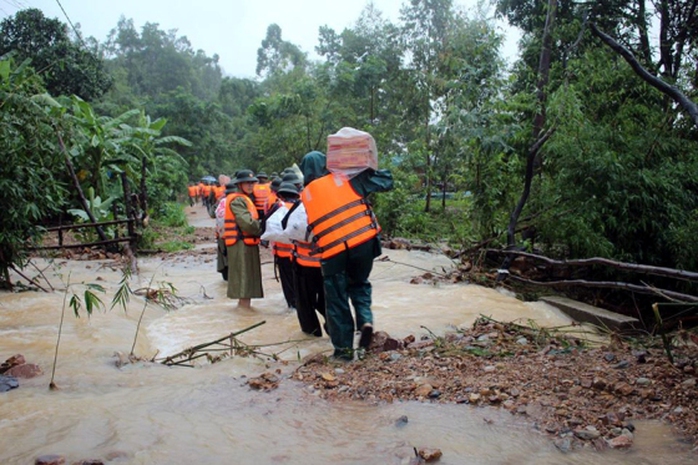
pixel 189 352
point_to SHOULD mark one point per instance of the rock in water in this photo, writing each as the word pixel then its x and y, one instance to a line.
pixel 50 459
pixel 430 455
pixel 26 371
pixel 7 383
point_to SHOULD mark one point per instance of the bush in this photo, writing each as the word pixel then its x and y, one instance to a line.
pixel 172 215
pixel 30 158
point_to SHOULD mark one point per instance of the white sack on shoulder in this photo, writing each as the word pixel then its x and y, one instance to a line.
pixel 297 225
pixel 274 231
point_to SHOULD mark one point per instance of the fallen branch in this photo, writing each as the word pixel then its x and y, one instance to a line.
pixel 187 355
pixel 653 270
pixel 41 272
pixel 386 258
pixel 610 285
pixel 29 280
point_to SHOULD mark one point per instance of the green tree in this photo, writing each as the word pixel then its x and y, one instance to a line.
pixel 155 62
pixel 609 181
pixel 157 160
pixel 66 67
pixel 97 145
pixel 160 72
pixel 31 189
pixel 236 95
pixel 289 124
pixel 467 129
pixel 362 74
pixel 277 55
pixel 425 30
pixel 203 124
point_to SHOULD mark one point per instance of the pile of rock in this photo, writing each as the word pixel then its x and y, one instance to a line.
pixel 575 393
pixel 16 367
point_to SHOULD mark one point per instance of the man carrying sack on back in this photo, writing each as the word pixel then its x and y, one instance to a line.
pixel 344 234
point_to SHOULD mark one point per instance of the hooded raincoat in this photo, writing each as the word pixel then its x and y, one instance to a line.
pixel 307 274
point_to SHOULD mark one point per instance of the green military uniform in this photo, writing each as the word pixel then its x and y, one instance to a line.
pixel 244 267
pixel 345 275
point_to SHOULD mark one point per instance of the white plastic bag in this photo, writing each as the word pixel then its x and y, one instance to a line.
pixel 350 151
pixel 298 172
pixel 273 231
pixel 220 216
pixel 297 225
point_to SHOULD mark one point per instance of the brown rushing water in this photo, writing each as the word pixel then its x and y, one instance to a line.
pixel 151 414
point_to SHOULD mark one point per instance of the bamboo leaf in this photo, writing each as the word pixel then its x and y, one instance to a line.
pixel 75 304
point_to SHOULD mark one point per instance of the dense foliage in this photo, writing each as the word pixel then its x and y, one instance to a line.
pixel 30 189
pixel 617 178
pixel 65 66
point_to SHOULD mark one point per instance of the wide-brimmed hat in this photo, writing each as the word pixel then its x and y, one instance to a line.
pixel 230 188
pixel 288 188
pixel 291 177
pixel 262 174
pixel 245 176
pixel 275 183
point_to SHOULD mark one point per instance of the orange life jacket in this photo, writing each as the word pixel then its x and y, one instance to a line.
pixel 261 196
pixel 206 190
pixel 232 232
pixel 338 217
pixel 272 198
pixel 283 249
pixel 219 192
pixel 301 255
pixel 200 188
pixel 193 191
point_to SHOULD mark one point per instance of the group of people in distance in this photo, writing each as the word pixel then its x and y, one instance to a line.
pixel 323 274
pixel 206 192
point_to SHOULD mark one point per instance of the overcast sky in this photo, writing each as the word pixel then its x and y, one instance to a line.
pixel 234 29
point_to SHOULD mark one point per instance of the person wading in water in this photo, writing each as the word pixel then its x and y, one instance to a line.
pixel 241 235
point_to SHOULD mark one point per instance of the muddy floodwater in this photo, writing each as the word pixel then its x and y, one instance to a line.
pixel 148 413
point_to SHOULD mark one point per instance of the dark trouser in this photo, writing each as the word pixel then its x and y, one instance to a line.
pixel 310 297
pixel 222 258
pixel 286 277
pixel 346 278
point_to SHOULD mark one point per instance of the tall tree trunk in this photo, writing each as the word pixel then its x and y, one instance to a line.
pixel 533 161
pixel 444 187
pixel 643 33
pixel 144 191
pixel 127 200
pixel 128 250
pixel 665 46
pixel 543 78
pixel 427 140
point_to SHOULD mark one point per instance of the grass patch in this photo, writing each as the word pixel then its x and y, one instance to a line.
pixel 172 215
pixel 175 246
pixel 169 231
